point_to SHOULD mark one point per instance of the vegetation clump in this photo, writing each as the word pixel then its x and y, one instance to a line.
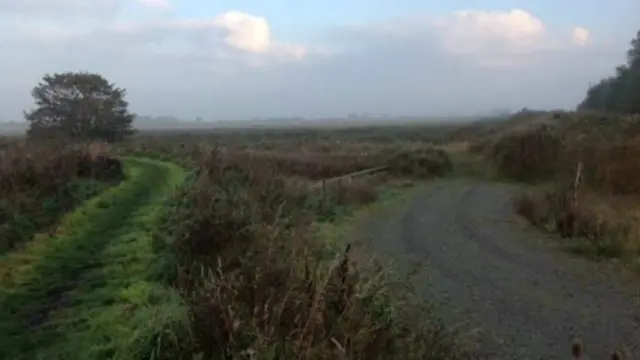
pixel 38 184
pixel 526 155
pixel 422 162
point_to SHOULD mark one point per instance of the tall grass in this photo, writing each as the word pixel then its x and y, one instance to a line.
pixel 260 286
pixel 601 211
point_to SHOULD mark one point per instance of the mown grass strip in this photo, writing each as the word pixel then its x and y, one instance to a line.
pixel 89 293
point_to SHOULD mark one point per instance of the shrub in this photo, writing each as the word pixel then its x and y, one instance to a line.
pixel 526 155
pixel 422 162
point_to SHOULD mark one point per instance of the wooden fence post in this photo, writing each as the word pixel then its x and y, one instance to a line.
pixel 574 202
pixel 576 185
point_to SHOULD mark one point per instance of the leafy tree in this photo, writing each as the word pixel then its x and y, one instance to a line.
pixel 621 92
pixel 79 105
pixel 633 55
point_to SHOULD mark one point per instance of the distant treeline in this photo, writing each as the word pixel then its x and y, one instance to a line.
pixel 619 93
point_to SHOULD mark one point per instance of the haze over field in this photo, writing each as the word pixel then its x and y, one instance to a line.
pixel 241 60
pixel 172 123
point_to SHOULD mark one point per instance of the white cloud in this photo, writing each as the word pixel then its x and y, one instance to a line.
pixel 252 34
pixel 580 35
pixel 230 65
pixel 487 38
pixel 157 4
pixel 238 37
pixel 244 31
pixel 476 31
pixel 497 38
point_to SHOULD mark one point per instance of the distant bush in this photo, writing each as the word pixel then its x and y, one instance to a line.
pixel 314 166
pixel 423 162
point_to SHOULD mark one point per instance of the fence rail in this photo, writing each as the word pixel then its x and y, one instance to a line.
pixel 351 176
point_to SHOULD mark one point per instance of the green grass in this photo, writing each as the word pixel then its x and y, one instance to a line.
pixel 90 291
pixel 40 212
pixel 391 195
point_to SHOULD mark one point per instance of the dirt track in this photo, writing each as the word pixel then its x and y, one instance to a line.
pixel 492 271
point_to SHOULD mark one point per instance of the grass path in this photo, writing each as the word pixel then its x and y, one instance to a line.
pixel 89 292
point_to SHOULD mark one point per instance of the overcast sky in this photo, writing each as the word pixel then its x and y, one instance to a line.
pixel 234 59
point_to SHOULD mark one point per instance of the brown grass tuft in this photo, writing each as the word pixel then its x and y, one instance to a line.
pixel 577 348
pixel 578 352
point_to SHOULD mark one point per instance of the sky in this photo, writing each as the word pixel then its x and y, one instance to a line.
pixel 241 59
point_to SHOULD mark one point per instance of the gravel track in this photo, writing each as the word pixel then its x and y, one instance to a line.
pixel 490 270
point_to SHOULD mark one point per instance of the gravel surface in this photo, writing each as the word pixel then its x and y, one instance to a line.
pixel 492 271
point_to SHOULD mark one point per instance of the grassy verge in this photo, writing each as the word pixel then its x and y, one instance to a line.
pixel 598 226
pixel 390 195
pixel 24 220
pixel 40 183
pixel 91 291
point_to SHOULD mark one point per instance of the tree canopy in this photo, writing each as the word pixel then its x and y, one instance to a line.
pixel 619 93
pixel 79 106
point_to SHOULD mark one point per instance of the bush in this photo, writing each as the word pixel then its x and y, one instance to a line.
pixel 609 167
pixel 527 155
pixel 423 162
pixel 608 146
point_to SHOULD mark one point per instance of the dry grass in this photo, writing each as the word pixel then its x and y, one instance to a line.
pixel 260 286
pixel 43 167
pixel 314 166
pixel 578 352
pixel 525 155
pixel 424 162
pixel 604 217
pixel 314 160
